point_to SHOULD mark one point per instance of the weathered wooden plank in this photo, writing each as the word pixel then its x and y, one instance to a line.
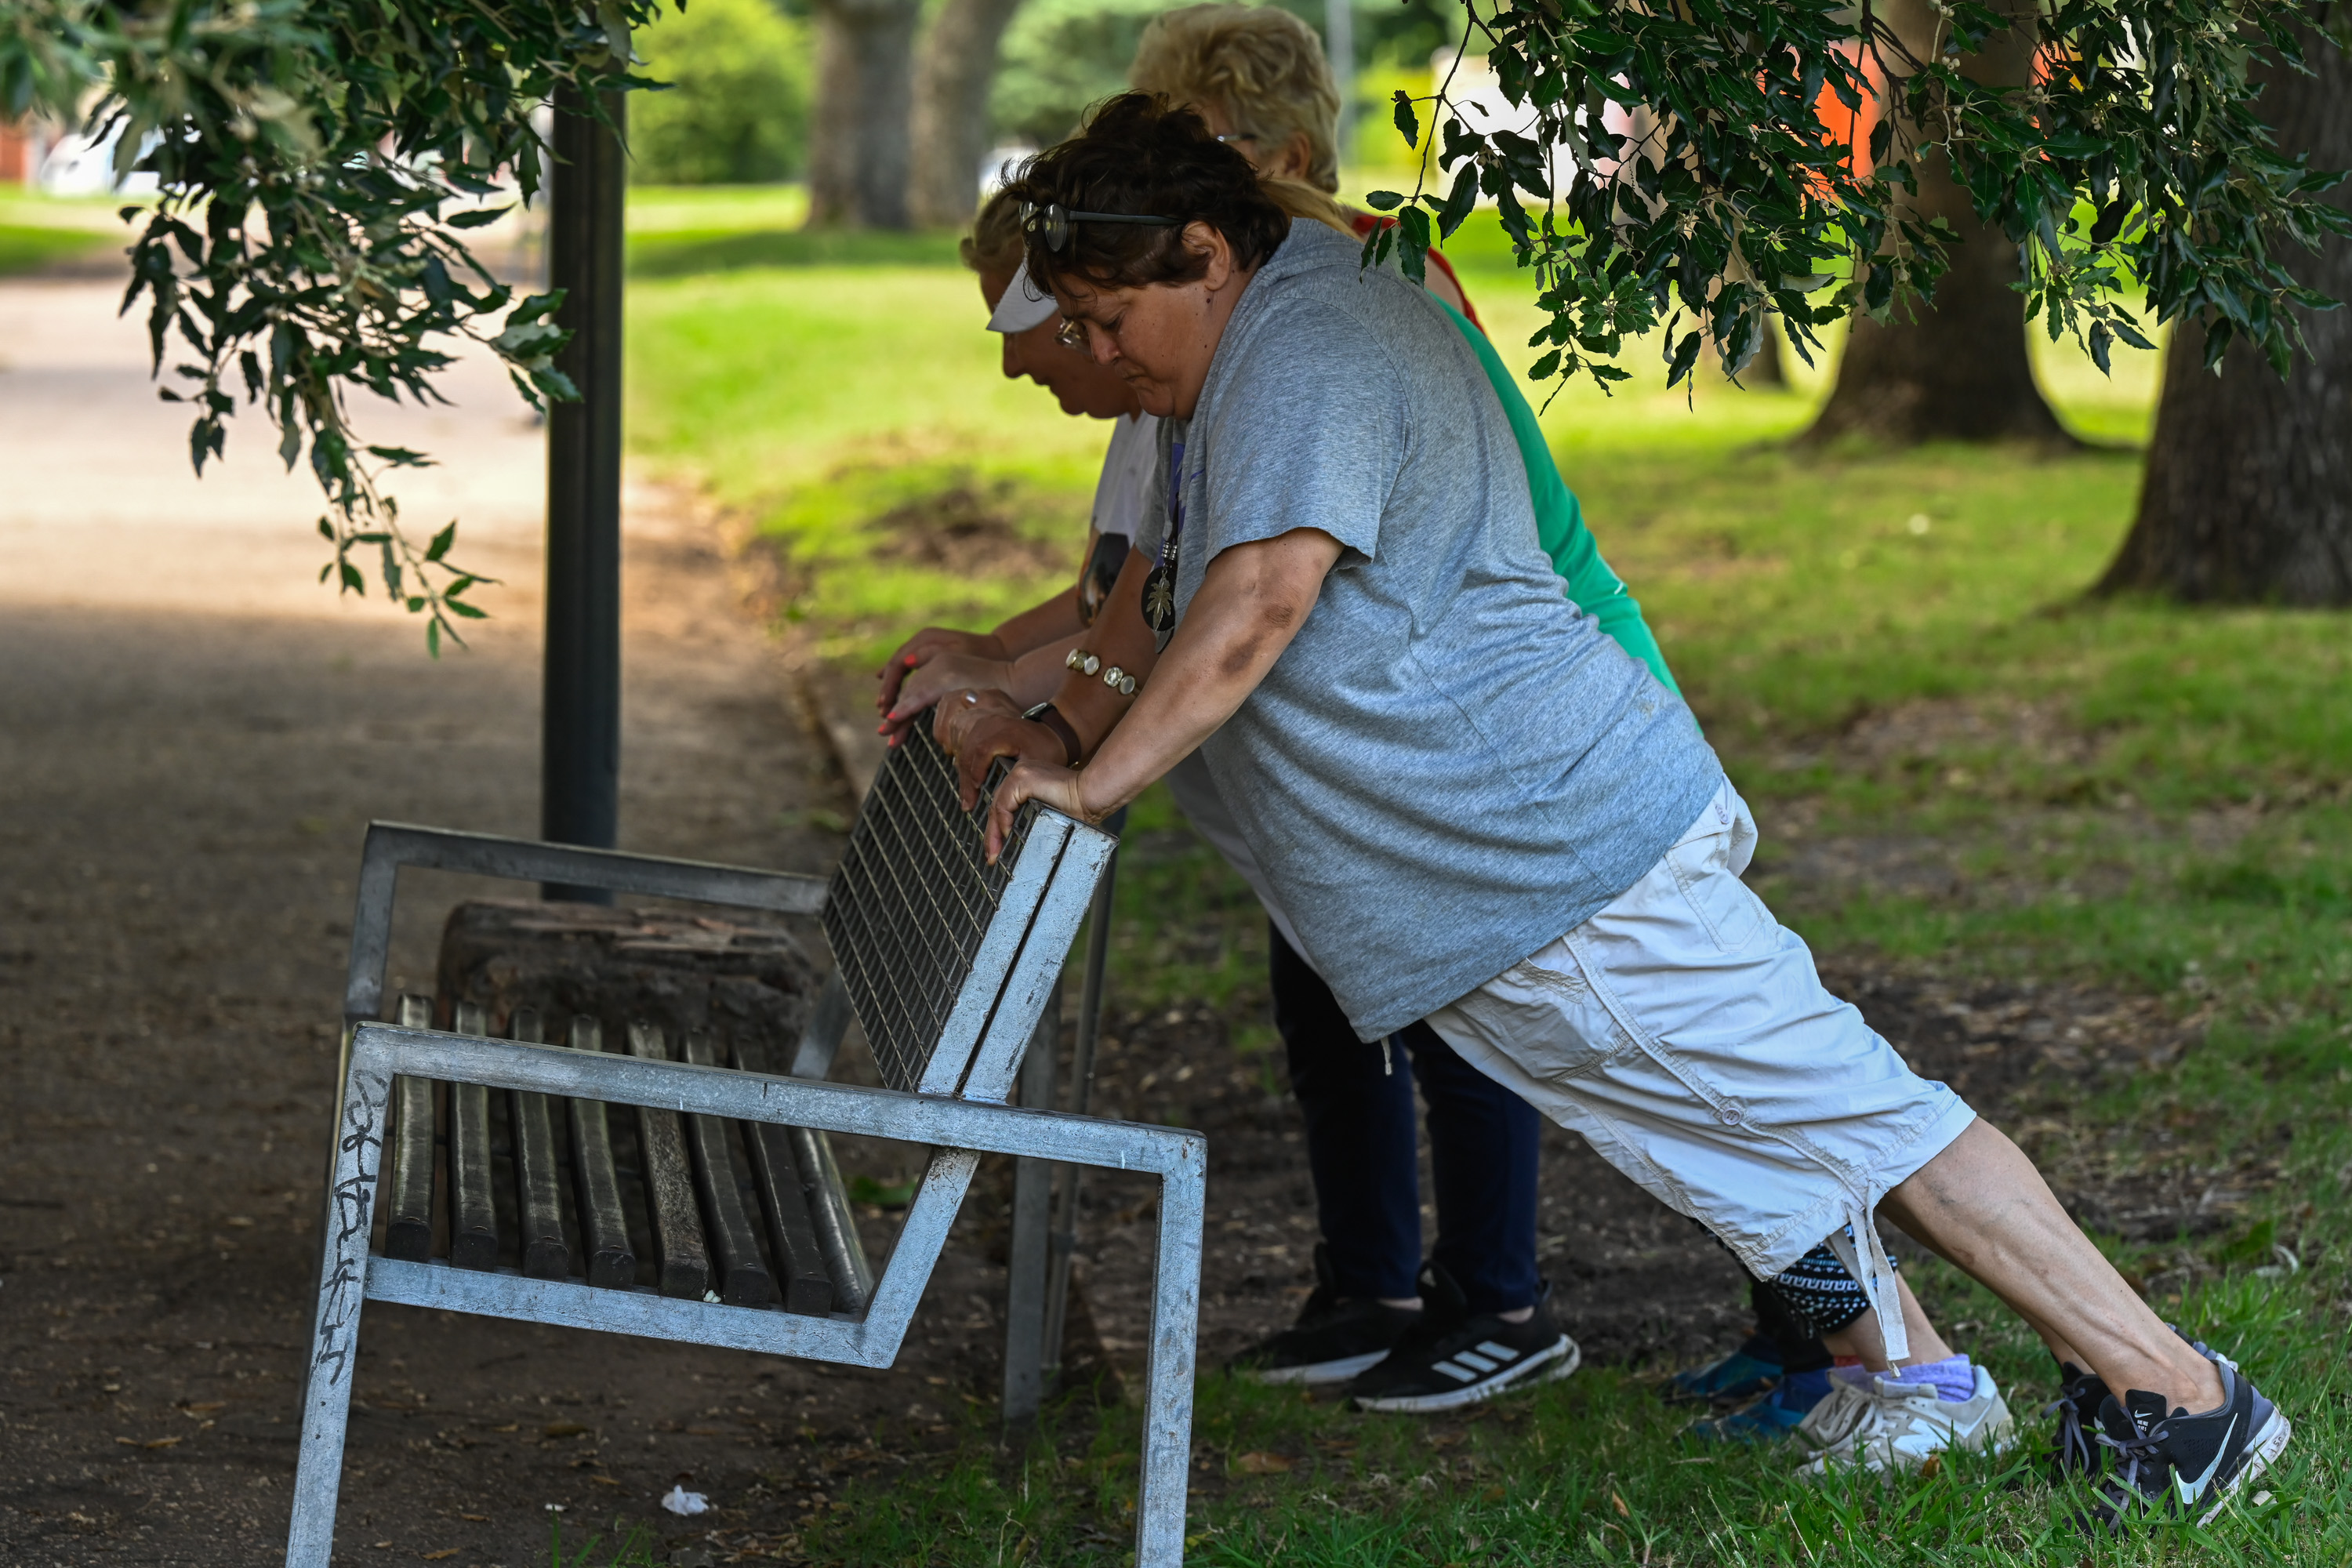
pixel 603 1223
pixel 783 1202
pixel 538 1174
pixel 683 1262
pixel 473 1205
pixel 836 1223
pixel 408 1224
pixel 744 1276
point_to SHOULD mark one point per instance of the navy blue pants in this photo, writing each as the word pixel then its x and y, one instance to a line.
pixel 1360 1147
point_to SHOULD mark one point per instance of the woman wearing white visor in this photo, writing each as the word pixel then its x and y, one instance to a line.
pixel 1026 651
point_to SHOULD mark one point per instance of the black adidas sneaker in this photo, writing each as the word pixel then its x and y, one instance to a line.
pixel 1455 1357
pixel 1333 1339
pixel 2181 1466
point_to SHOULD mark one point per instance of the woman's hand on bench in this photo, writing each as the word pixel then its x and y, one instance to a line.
pixel 1048 783
pixel 977 732
pixel 937 679
pixel 924 647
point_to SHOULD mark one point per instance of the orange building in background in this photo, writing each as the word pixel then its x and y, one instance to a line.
pixel 21 151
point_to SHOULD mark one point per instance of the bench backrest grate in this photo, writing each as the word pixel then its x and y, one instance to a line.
pixel 910 903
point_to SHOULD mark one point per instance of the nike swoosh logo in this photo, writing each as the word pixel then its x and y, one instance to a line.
pixel 2190 1491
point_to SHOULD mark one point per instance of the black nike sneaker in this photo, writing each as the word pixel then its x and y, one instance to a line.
pixel 2181 1466
pixel 1335 1338
pixel 1455 1357
pixel 2075 1451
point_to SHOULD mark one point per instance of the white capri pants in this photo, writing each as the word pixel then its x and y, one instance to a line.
pixel 1685 1034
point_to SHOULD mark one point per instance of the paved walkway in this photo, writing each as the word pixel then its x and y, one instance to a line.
pixel 193 736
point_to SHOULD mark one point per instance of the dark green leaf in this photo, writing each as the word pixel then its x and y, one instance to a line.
pixel 1412 243
pixel 1686 356
pixel 1459 201
pixel 1408 123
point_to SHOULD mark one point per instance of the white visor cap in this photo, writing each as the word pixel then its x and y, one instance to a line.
pixel 1021 309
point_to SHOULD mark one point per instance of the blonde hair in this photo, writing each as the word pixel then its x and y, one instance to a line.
pixel 995 244
pixel 1259 64
pixel 1297 198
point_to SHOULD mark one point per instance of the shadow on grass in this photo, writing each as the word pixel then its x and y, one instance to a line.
pixel 690 252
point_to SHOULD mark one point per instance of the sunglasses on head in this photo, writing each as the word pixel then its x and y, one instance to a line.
pixel 1051 222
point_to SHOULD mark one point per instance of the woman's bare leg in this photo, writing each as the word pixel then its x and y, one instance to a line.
pixel 1981 1204
pixel 1862 1339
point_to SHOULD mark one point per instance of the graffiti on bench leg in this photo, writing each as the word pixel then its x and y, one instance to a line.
pixel 362 1147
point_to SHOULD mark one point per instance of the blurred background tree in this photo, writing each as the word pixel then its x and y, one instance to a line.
pixel 2248 498
pixel 737 107
pixel 952 80
pixel 1060 56
pixel 861 146
pixel 1954 370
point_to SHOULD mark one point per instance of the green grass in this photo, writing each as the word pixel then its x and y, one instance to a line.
pixel 1590 1471
pixel 679 231
pixel 37 230
pixel 827 401
pixel 1887 649
pixel 26 247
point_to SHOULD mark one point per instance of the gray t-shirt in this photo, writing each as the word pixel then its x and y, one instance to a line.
pixel 1449 767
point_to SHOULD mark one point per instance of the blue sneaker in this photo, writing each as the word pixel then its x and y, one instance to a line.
pixel 1753 1369
pixel 1772 1418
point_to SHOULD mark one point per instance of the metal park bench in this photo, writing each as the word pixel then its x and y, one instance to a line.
pixel 947 964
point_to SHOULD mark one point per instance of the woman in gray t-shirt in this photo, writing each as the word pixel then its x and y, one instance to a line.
pixel 1474 812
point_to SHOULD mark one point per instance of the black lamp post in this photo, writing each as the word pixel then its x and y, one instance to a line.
pixel 580 736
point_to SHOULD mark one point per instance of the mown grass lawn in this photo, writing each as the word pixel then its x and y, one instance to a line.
pixel 1895 653
pixel 36 230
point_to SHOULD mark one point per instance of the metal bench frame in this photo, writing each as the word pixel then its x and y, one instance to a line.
pixel 958 1106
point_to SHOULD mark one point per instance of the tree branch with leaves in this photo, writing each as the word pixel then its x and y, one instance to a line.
pixel 318 164
pixel 2136 160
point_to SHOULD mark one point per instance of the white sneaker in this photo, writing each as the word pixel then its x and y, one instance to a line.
pixel 1898 1425
pixel 1827 1423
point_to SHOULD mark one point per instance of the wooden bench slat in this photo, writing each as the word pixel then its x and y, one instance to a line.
pixel 744 1276
pixel 603 1222
pixel 783 1200
pixel 408 1226
pixel 538 1174
pixel 473 1205
pixel 835 1223
pixel 684 1262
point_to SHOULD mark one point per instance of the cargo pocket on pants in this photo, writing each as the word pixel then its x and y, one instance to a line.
pixel 1542 1014
pixel 1723 903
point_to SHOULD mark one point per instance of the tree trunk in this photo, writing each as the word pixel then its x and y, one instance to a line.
pixel 858 136
pixel 2248 497
pixel 952 77
pixel 1957 372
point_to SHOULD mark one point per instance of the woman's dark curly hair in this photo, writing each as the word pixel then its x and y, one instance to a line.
pixel 1140 153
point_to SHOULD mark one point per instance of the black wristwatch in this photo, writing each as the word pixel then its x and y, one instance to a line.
pixel 1045 713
